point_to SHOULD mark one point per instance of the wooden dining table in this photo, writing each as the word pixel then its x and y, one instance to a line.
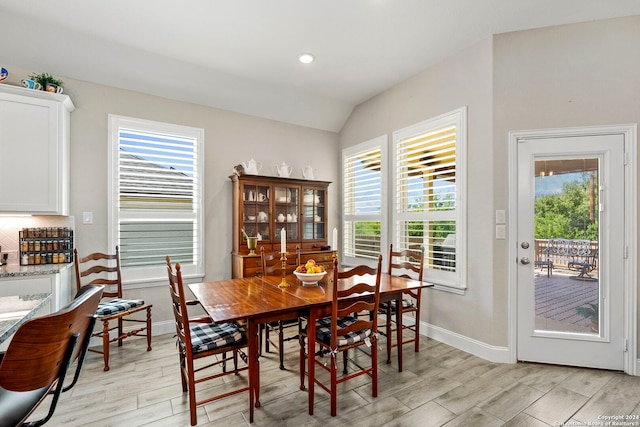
pixel 259 300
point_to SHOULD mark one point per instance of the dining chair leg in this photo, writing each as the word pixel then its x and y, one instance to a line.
pixel 120 331
pixel 374 371
pixel 266 338
pixel 149 328
pixel 303 360
pixel 388 332
pixel 416 330
pixel 399 332
pixel 281 344
pixel 105 344
pixel 344 361
pixel 334 384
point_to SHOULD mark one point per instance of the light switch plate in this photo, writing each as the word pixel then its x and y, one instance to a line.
pixel 501 217
pixel 501 232
pixel 87 217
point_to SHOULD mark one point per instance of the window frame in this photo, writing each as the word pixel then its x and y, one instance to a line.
pixel 449 281
pixel 150 274
pixel 380 142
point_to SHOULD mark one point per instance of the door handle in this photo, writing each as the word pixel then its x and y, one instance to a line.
pixel 524 260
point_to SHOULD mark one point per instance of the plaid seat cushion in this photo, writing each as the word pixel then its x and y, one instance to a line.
pixel 117 305
pixel 323 331
pixel 406 303
pixel 210 336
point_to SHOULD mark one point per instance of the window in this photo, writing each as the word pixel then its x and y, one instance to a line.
pixel 364 201
pixel 156 179
pixel 428 181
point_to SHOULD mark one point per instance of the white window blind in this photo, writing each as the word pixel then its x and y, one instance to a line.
pixel 364 201
pixel 157 189
pixel 428 211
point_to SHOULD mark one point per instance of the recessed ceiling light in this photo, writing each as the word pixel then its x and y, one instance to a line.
pixel 306 58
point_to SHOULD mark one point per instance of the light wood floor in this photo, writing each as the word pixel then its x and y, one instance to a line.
pixel 440 386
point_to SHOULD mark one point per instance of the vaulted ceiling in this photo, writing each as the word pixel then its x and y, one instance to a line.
pixel 241 55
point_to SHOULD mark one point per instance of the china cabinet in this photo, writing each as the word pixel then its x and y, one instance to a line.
pixel 263 206
pixel 34 151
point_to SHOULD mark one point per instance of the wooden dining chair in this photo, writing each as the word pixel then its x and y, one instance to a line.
pixel 198 338
pixel 38 357
pixel 345 329
pixel 272 266
pixel 104 269
pixel 410 264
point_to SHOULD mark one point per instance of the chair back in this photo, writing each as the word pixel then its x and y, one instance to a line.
pixel 271 264
pixel 406 263
pixel 39 356
pixel 99 269
pixel 86 302
pixel 36 351
pixel 179 305
pixel 362 295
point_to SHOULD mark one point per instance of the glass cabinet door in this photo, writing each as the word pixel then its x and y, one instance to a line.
pixel 313 214
pixel 255 212
pixel 286 212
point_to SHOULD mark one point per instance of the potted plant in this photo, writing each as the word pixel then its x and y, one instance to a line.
pixel 592 312
pixel 48 82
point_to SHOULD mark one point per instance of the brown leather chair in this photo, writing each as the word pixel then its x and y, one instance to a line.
pixel 38 358
pixel 345 330
pixel 198 338
pixel 272 266
pixel 410 264
pixel 104 269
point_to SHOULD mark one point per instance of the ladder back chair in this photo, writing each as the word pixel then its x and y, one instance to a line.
pixel 344 330
pixel 38 358
pixel 104 269
pixel 198 338
pixel 272 266
pixel 410 264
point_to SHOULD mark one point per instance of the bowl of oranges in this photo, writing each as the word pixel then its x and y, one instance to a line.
pixel 309 273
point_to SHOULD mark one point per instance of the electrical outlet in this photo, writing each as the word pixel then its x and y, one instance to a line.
pixel 87 217
pixel 501 217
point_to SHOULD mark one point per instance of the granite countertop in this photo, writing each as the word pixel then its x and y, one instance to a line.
pixel 17 309
pixel 16 270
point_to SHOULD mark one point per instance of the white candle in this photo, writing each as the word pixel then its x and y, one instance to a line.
pixel 283 241
pixel 334 245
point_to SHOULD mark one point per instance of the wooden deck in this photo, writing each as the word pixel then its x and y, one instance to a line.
pixel 557 298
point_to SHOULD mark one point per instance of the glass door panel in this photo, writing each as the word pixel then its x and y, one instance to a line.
pixel 255 212
pixel 313 214
pixel 566 238
pixel 286 211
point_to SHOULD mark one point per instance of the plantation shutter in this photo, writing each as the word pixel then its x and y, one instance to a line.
pixel 427 199
pixel 159 191
pixel 363 203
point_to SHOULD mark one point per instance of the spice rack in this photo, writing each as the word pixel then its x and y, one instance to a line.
pixel 46 245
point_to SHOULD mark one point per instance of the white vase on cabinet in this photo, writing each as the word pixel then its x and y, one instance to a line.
pixel 34 151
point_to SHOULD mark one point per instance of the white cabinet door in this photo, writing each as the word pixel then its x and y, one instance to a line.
pixel 34 151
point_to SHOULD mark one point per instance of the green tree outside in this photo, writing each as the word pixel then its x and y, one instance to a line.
pixel 571 214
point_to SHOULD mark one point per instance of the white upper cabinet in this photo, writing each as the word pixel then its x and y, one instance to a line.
pixel 34 151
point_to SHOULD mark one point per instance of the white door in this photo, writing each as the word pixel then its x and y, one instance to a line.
pixel 571 188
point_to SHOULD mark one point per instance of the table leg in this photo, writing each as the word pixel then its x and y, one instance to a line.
pixel 254 368
pixel 311 352
pixel 399 330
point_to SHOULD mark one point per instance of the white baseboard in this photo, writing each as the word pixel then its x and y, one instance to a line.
pixel 477 348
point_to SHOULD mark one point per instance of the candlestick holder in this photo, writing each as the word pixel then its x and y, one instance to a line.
pixel 283 283
pixel 334 254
